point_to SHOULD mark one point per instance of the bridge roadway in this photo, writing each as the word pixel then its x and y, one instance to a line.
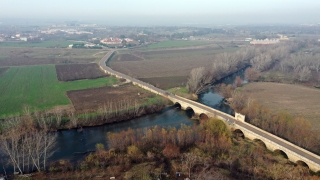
pixel 271 141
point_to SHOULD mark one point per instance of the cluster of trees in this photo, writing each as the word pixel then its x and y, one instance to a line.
pixel 282 56
pixel 223 65
pixel 212 133
pixel 199 152
pixel 301 66
pixel 27 144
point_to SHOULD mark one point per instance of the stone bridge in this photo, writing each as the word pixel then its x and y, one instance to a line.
pixel 294 153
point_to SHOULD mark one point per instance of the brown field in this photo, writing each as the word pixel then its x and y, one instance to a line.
pixel 167 63
pixel 90 100
pixel 298 100
pixel 126 57
pixel 39 56
pixel 166 82
pixel 71 72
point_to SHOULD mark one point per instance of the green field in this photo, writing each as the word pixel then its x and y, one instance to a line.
pixel 171 44
pixel 45 44
pixel 38 87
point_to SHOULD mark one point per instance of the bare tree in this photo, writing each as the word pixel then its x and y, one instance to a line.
pixel 304 74
pixel 198 80
pixel 27 146
pixel 189 160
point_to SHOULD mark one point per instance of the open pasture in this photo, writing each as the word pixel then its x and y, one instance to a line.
pixel 298 100
pixel 72 72
pixel 38 87
pixel 40 56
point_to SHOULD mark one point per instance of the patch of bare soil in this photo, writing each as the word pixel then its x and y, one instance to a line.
pixel 73 72
pixel 166 82
pixel 126 57
pixel 90 100
pixel 296 99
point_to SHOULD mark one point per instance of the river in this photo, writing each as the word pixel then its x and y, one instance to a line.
pixel 75 140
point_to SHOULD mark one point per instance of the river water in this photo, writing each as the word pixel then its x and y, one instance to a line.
pixel 71 141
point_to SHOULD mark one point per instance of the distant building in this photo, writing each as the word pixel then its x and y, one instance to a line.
pixel 111 41
pixel 264 41
pixel 248 39
pixel 70 46
pixel 23 38
pixel 283 37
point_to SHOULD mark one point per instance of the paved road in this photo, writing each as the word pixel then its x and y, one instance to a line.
pixel 238 124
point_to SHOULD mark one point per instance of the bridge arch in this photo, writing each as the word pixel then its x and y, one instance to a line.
pixel 177 105
pixel 302 163
pixel 190 112
pixel 282 153
pixel 260 142
pixel 237 133
pixel 203 116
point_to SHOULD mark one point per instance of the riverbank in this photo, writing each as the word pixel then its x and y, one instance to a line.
pixel 56 121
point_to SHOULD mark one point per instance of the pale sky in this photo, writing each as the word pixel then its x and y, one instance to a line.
pixel 164 12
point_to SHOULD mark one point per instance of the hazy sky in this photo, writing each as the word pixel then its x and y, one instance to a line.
pixel 162 12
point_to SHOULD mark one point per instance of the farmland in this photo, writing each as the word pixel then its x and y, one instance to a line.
pixel 166 82
pixel 38 87
pixel 171 44
pixel 40 56
pixel 90 100
pixel 71 72
pixel 298 100
pixel 45 44
pixel 169 67
pixel 126 57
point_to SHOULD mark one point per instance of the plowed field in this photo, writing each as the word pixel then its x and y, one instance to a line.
pixel 90 100
pixel 73 72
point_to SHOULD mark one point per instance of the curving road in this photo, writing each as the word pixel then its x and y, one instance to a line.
pixel 289 148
